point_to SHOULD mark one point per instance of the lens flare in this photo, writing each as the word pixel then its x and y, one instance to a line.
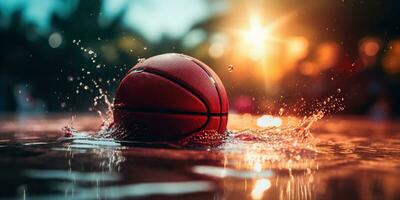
pixel 256 37
pixel 257 33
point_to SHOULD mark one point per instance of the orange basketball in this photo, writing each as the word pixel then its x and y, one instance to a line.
pixel 170 97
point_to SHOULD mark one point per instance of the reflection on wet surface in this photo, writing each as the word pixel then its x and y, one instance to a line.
pixel 342 158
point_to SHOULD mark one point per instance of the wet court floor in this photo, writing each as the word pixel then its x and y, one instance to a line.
pixel 346 158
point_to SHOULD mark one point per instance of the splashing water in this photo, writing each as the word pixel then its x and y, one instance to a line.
pixel 276 142
pixel 140 60
pixel 279 143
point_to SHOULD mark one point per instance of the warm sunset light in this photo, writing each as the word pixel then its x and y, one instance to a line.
pixel 256 37
pixel 257 34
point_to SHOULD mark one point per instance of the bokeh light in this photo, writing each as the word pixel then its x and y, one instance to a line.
pixel 260 186
pixel 269 121
pixel 55 40
pixel 391 61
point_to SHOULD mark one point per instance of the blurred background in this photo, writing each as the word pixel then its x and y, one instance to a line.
pixel 59 55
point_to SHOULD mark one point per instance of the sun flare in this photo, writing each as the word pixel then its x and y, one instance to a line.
pixel 256 37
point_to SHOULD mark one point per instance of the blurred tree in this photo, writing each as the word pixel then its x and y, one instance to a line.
pixel 55 74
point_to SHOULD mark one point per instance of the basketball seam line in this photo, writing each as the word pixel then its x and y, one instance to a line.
pixel 158 73
pixel 216 88
pixel 214 83
pixel 166 111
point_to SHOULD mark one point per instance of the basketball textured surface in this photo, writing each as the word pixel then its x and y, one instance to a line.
pixel 171 97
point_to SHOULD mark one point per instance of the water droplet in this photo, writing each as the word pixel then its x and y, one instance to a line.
pixel 281 110
pixel 73 41
pixel 230 68
pixel 98 66
pixel 145 48
pixel 98 38
pixel 86 87
pixel 339 90
pixel 131 50
pixel 140 60
pixel 70 78
pixel 63 104
pixel 90 51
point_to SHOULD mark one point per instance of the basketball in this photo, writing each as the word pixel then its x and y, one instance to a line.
pixel 171 97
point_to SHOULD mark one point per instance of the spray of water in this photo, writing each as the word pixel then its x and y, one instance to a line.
pixel 291 141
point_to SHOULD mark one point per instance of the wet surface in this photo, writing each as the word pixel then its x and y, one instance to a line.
pixel 342 158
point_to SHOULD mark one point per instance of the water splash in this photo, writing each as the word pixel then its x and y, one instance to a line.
pixel 278 141
pixel 294 142
pixel 275 143
pixel 141 60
